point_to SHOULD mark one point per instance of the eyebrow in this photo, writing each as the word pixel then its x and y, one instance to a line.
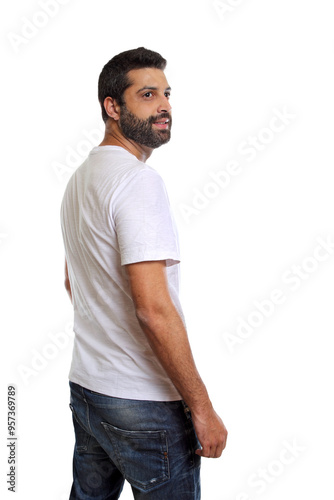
pixel 151 88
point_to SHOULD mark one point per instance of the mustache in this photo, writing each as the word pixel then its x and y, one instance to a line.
pixel 153 119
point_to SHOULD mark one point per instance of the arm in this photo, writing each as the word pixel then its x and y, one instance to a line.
pixel 168 338
pixel 67 282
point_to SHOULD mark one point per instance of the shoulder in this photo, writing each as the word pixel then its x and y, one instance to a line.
pixel 140 178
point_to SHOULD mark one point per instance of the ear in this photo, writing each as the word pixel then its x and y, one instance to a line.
pixel 112 108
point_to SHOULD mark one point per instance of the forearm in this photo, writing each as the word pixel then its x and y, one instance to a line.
pixel 168 338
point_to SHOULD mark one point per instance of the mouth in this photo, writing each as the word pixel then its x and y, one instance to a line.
pixel 162 124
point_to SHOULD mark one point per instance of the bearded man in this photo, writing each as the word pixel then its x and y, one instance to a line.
pixel 141 411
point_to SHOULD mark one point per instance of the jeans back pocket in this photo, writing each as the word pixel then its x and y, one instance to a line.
pixel 141 456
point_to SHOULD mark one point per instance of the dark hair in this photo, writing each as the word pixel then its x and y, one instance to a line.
pixel 113 80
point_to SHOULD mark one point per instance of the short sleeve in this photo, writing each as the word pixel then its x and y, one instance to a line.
pixel 144 223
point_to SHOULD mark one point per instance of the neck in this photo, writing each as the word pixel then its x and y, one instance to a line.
pixel 114 137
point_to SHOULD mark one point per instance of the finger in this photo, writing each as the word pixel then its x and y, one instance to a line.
pixel 199 452
pixel 221 447
pixel 202 453
pixel 206 452
pixel 216 452
pixel 211 452
pixel 219 450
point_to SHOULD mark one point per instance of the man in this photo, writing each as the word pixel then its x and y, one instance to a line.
pixel 140 409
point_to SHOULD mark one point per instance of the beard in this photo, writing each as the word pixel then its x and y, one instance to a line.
pixel 141 131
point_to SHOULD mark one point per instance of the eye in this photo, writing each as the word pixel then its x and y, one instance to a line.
pixel 167 94
pixel 148 94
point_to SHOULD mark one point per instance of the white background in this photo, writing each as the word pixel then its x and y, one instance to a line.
pixel 229 72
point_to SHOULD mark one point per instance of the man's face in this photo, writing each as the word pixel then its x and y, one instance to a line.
pixel 145 117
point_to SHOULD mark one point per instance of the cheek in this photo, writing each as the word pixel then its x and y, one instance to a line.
pixel 144 116
pixel 144 110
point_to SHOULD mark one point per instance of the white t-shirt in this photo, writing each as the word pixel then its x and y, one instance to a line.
pixel 115 211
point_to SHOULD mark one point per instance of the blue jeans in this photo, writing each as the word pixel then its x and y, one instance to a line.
pixel 150 444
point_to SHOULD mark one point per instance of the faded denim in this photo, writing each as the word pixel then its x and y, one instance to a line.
pixel 148 443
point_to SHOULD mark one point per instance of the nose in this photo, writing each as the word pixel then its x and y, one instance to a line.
pixel 164 105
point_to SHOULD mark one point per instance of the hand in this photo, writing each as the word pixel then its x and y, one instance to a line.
pixel 211 433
